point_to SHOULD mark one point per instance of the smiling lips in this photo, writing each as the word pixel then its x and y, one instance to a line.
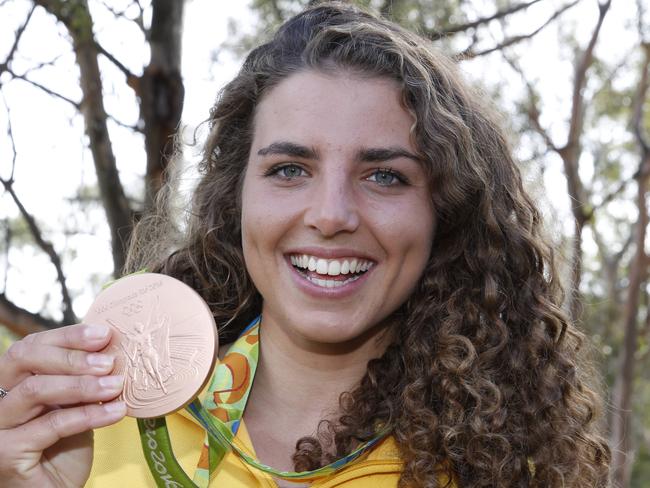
pixel 330 273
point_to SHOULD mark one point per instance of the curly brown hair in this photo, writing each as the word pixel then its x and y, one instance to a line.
pixel 486 379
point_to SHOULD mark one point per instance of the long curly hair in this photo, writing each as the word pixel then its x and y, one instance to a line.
pixel 485 380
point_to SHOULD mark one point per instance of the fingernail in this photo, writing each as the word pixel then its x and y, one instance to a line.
pixel 115 408
pixel 100 360
pixel 96 331
pixel 111 382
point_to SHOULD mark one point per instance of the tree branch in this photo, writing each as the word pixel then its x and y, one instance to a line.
pixel 129 76
pixel 640 25
pixel 10 135
pixel 23 322
pixel 469 53
pixel 139 20
pixel 610 267
pixel 570 152
pixel 134 128
pixel 76 105
pixel 68 313
pixel 47 90
pixel 499 14
pixel 40 65
pixel 580 80
pixel 603 248
pixel 19 33
pixel 637 117
pixel 532 110
pixel 614 193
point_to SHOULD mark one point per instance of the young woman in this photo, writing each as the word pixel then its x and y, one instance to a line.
pixel 362 199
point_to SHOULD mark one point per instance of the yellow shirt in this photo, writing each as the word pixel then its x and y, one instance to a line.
pixel 119 460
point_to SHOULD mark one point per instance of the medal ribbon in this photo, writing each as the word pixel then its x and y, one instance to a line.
pixel 220 414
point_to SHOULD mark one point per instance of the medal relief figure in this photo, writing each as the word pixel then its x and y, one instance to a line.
pixel 146 347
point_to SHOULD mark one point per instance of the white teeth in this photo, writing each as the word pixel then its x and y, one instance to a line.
pixel 332 283
pixel 331 267
pixel 334 268
pixel 321 266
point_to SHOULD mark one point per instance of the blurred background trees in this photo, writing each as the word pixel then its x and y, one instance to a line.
pixel 92 93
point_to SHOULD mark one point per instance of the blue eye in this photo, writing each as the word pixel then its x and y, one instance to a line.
pixel 387 177
pixel 286 171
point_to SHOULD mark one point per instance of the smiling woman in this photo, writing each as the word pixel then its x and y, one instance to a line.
pixel 317 187
pixel 390 311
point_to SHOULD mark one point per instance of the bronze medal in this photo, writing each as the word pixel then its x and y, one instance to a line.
pixel 164 341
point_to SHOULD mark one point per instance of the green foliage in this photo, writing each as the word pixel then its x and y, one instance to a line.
pixel 641 469
pixel 427 17
pixel 6 338
pixel 611 102
pixel 17 230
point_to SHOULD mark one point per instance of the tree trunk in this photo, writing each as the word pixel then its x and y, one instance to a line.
pixel 161 93
pixel 575 298
pixel 570 154
pixel 621 432
pixel 621 438
pixel 76 17
pixel 22 322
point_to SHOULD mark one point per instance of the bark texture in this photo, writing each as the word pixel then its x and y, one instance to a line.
pixel 161 92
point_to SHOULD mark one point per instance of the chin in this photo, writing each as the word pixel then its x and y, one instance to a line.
pixel 325 328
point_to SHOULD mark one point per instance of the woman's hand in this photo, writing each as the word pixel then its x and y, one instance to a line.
pixel 55 380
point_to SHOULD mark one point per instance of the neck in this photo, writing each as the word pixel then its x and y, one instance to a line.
pixel 298 379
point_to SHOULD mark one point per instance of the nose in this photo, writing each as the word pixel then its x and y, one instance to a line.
pixel 332 208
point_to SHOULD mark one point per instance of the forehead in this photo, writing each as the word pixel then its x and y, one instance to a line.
pixel 333 107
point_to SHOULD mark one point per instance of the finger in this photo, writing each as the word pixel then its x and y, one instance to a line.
pixel 44 431
pixel 24 359
pixel 35 394
pixel 22 355
pixel 87 337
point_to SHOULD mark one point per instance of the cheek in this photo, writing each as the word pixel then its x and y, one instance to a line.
pixel 254 244
pixel 408 229
pixel 250 221
pixel 263 219
pixel 264 223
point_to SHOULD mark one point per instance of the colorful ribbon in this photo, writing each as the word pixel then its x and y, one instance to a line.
pixel 220 414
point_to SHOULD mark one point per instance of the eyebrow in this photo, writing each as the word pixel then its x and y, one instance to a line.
pixel 367 155
pixel 379 154
pixel 288 149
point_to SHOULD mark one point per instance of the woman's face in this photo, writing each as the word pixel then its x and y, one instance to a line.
pixel 337 222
